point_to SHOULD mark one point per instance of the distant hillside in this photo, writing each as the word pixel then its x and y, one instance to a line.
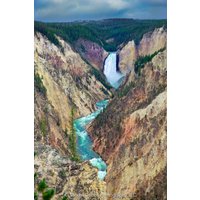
pixel 109 33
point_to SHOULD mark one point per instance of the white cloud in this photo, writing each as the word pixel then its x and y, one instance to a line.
pixel 117 4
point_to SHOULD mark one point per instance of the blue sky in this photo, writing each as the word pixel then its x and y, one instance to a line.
pixel 72 10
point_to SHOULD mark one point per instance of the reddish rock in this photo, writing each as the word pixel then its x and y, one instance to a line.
pixel 92 52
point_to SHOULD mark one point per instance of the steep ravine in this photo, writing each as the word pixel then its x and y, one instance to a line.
pixel 84 143
pixel 129 135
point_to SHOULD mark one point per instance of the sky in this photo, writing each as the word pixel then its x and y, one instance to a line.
pixel 73 10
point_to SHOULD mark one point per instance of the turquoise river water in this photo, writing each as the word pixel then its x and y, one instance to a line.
pixel 84 143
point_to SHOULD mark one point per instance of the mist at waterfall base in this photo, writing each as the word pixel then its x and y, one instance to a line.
pixel 84 143
pixel 110 70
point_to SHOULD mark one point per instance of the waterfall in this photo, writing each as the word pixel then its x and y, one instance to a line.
pixel 110 70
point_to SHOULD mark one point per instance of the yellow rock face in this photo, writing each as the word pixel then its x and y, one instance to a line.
pixel 55 95
pixel 145 154
pixel 150 43
pixel 127 57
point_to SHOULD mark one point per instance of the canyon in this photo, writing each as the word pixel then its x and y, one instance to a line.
pixel 122 144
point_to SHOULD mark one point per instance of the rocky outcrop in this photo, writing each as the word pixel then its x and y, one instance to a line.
pixel 131 135
pixel 47 124
pixel 150 43
pixel 67 178
pixel 127 55
pixel 92 53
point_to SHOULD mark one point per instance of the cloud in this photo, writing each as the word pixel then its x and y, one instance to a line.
pixel 70 10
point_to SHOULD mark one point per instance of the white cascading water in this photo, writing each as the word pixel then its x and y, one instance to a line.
pixel 110 70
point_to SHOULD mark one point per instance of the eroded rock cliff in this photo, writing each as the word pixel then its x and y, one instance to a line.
pixel 127 55
pixel 69 83
pixel 131 135
pixel 92 53
pixel 69 73
pixel 63 81
pixel 150 43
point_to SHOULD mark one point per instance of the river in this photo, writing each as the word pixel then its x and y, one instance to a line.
pixel 84 142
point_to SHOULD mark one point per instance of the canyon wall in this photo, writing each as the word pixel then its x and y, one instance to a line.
pixel 92 53
pixel 63 81
pixel 150 43
pixel 131 136
pixel 69 83
pixel 127 55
